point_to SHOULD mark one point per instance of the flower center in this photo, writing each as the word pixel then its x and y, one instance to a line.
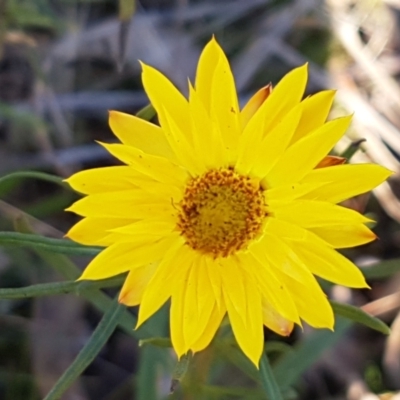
pixel 221 212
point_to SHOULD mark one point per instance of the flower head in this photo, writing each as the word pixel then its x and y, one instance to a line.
pixel 226 211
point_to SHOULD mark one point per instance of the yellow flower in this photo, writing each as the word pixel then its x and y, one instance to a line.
pixel 225 210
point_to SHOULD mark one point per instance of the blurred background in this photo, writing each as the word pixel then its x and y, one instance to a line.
pixel 64 63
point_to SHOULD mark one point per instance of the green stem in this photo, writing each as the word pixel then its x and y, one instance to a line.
pixel 54 245
pixel 36 175
pixel 54 288
pixel 99 338
pixel 268 379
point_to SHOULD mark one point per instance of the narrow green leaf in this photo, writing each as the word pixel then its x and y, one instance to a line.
pixel 293 364
pixel 352 149
pixel 63 265
pixel 236 357
pixel 50 244
pixel 146 113
pixel 222 392
pixel 35 175
pixel 153 361
pixel 99 338
pixel 268 380
pixel 180 370
pixel 56 288
pixel 126 9
pixel 274 346
pixel 382 270
pixel 156 341
pixel 357 315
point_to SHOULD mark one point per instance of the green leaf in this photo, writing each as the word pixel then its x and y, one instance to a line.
pixel 69 270
pixel 234 355
pixel 126 9
pixel 146 113
pixel 234 392
pixel 357 315
pixel 383 269
pixel 153 361
pixel 35 175
pixel 268 380
pixel 50 244
pixel 292 365
pixel 352 149
pixel 156 341
pixel 274 346
pixel 180 370
pixel 56 288
pixel 99 338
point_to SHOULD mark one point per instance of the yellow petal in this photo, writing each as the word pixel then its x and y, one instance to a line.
pixel 311 302
pixel 105 179
pixel 205 294
pixel 300 158
pixel 183 150
pixel 205 72
pixel 310 213
pixel 247 328
pixel 157 168
pixel 154 226
pixel 271 288
pixel 254 104
pixel 205 133
pixel 286 95
pixel 177 322
pixel 224 105
pixel 284 230
pixel 288 193
pixel 343 236
pixel 293 272
pixel 274 321
pixel 211 328
pixel 250 140
pixel 254 318
pixel 233 284
pixel 342 182
pixel 132 204
pixel 137 132
pixel 167 278
pixel 214 276
pixel 92 231
pixel 275 143
pixel 162 93
pixel 315 111
pixel 122 257
pixel 198 303
pixel 135 284
pixel 324 261
pixel 271 251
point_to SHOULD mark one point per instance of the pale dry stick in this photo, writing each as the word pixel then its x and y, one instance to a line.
pixel 42 136
pixel 64 132
pixel 271 30
pixel 372 120
pixel 383 305
pixel 391 355
pixel 388 200
pixel 392 3
pixel 358 390
pixel 374 124
pixel 345 28
pixel 372 16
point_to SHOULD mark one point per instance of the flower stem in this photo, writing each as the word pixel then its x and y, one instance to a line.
pixel 268 379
